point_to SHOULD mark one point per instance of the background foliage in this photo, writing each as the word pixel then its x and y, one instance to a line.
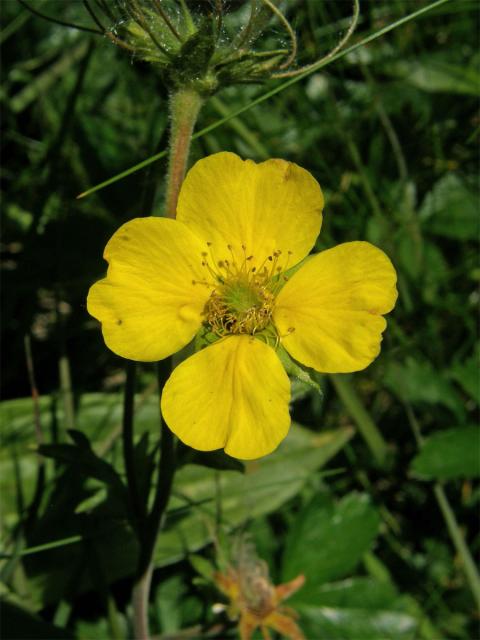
pixel 390 132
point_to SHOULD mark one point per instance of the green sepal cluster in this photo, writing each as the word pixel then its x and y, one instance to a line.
pixel 197 57
pixel 191 67
pixel 295 370
pixel 151 40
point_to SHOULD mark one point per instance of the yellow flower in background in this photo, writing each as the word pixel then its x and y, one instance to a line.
pixel 220 267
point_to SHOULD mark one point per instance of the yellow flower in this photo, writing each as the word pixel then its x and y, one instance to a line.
pixel 220 267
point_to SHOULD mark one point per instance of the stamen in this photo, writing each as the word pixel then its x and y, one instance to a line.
pixel 243 296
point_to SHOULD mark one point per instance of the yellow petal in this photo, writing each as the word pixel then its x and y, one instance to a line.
pixel 233 394
pixel 334 304
pixel 148 305
pixel 274 205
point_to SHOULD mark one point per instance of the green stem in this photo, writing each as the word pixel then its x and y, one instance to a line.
pixel 136 503
pixel 362 418
pixel 458 540
pixel 154 521
pixel 185 105
pixel 66 391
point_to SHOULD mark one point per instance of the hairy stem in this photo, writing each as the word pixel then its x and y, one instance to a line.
pixel 184 107
pixel 137 505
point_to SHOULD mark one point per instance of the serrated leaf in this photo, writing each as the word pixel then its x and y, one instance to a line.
pixel 449 454
pixel 418 381
pixel 327 540
pixel 450 209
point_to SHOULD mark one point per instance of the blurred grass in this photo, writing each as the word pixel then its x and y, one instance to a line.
pixel 391 133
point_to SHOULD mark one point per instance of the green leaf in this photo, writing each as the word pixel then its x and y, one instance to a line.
pixel 98 497
pixel 354 593
pixel 327 540
pixel 450 454
pixel 198 491
pixel 357 624
pixel 467 374
pixel 359 608
pixel 264 487
pixel 419 381
pixel 450 209
pixel 83 460
pixel 436 75
pixel 202 566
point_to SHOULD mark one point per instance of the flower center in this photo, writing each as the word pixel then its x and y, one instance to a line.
pixel 240 306
pixel 243 296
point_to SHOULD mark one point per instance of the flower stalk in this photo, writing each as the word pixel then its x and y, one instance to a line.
pixel 185 104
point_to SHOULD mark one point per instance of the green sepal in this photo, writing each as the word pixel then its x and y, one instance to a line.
pixel 191 65
pixel 204 338
pixel 295 370
pixel 143 44
pixel 246 68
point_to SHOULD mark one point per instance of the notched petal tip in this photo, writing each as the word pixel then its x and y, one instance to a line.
pixel 266 207
pixel 234 395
